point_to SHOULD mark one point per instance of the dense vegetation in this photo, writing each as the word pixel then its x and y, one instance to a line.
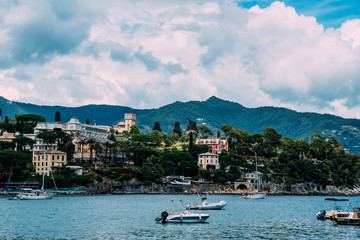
pixel 149 157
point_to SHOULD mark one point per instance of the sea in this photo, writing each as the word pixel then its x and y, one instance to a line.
pixel 133 217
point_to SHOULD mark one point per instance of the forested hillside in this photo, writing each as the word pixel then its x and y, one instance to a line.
pixel 212 113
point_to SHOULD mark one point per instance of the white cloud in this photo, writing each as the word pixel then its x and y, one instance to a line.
pixel 144 55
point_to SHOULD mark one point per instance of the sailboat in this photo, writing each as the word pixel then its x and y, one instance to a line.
pixel 31 194
pixel 256 194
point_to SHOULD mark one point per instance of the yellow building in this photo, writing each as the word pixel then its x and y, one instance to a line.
pixel 53 159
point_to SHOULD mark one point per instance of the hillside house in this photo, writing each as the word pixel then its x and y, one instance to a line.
pixel 216 145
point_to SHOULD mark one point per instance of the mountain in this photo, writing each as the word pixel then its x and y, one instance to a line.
pixel 100 114
pixel 213 113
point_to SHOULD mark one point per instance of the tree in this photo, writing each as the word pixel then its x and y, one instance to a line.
pixel 32 119
pixel 177 129
pixel 10 159
pixel 272 139
pixel 48 137
pixel 57 116
pixel 191 126
pixel 82 144
pixel 21 142
pixel 226 128
pixel 191 142
pixel 6 120
pixel 218 135
pixel 156 137
pixel 91 142
pixel 87 121
pixel 0 112
pixel 157 126
pixel 134 129
pixel 204 130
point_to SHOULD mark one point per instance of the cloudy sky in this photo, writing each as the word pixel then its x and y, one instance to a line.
pixel 299 54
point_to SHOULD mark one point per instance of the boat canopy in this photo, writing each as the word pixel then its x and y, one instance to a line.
pixel 336 199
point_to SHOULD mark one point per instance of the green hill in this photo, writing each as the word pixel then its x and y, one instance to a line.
pixel 213 113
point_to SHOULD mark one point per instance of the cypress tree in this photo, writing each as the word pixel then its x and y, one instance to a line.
pixel 57 116
pixel 157 126
pixel 191 142
pixel 87 121
pixel 6 120
pixel 177 129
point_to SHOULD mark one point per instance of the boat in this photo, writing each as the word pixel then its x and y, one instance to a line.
pixel 348 218
pixel 31 194
pixel 330 214
pixel 185 216
pixel 208 206
pixel 35 194
pixel 256 194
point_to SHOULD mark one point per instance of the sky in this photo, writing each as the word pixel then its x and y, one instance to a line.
pixel 299 54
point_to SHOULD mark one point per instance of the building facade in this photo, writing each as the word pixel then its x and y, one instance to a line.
pixel 216 145
pixel 250 179
pixel 130 119
pixel 206 159
pixel 54 159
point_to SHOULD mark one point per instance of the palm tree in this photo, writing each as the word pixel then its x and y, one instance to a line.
pixel 82 144
pixel 107 146
pixel 91 143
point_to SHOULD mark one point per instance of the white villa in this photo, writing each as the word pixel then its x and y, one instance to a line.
pixel 206 159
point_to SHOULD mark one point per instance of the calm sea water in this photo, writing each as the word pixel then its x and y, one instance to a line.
pixel 133 217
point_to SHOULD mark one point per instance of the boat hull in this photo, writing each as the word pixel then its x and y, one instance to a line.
pixel 36 197
pixel 255 196
pixel 193 218
pixel 211 206
pixel 348 218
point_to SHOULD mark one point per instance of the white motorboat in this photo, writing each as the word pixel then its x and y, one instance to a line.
pixel 348 218
pixel 185 216
pixel 337 208
pixel 256 194
pixel 208 206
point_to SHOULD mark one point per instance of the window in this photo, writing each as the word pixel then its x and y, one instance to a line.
pixel 53 157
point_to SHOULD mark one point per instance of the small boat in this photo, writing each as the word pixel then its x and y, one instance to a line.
pixel 185 216
pixel 256 194
pixel 208 206
pixel 13 198
pixel 323 214
pixel 348 218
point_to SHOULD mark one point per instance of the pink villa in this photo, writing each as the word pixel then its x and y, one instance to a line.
pixel 217 145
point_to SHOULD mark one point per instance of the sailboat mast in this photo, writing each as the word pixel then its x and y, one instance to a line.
pixel 43 180
pixel 256 173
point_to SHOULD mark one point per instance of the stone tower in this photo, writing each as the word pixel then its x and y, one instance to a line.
pixel 130 119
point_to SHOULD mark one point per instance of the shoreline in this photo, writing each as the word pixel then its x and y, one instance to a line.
pixel 227 194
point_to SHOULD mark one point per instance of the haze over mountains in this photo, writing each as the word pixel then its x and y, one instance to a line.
pixel 213 113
